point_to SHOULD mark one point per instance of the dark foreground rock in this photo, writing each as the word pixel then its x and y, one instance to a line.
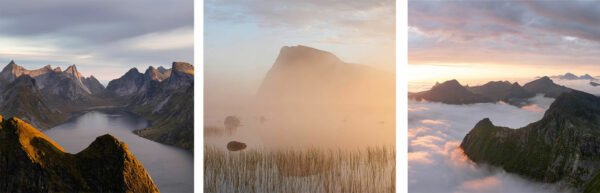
pixel 236 146
pixel 31 162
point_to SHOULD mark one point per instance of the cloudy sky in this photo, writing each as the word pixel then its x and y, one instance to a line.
pixel 243 38
pixel 485 39
pixel 103 38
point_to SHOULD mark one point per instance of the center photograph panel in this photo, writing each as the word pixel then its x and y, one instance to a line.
pixel 299 96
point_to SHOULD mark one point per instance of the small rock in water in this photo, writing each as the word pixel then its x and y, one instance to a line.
pixel 236 146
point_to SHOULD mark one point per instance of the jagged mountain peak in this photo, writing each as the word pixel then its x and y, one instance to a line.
pixel 12 71
pixel 153 74
pixel 151 70
pixel 183 67
pixel 133 71
pixel 12 65
pixel 106 142
pixel 484 123
pixel 450 84
pixel 544 79
pixel 72 70
pixel 161 69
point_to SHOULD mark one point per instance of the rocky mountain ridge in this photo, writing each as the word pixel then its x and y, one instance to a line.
pixel 562 147
pixel 31 162
pixel 163 96
pixel 46 97
pixel 452 92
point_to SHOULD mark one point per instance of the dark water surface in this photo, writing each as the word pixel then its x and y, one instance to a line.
pixel 172 169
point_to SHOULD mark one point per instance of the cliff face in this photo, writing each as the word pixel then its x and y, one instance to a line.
pixel 21 98
pixel 31 162
pixel 304 75
pixel 563 146
pixel 169 104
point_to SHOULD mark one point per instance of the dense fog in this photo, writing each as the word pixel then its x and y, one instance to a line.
pixel 309 98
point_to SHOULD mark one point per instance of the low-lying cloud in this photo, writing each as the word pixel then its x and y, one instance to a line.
pixel 581 85
pixel 437 164
pixel 301 127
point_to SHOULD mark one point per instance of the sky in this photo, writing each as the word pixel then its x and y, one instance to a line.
pixel 502 39
pixel 243 38
pixel 103 38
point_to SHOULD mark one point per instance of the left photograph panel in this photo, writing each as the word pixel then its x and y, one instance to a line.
pixel 97 96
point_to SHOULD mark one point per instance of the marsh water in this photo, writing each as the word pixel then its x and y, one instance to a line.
pixel 172 169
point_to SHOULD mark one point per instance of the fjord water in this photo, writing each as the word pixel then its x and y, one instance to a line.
pixel 172 169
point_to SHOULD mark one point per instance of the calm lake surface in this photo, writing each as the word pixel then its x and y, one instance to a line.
pixel 172 169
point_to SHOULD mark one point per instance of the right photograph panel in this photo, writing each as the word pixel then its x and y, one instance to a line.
pixel 503 96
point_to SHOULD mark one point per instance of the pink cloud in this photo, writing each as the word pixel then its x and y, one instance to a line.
pixel 455 156
pixel 421 157
pixel 433 122
pixel 414 132
pixel 428 141
pixel 488 184
pixel 533 108
pixel 414 109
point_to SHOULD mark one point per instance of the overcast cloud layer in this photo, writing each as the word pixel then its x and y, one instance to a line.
pixel 103 38
pixel 532 34
pixel 437 164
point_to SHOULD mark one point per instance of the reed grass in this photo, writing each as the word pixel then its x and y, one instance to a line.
pixel 314 170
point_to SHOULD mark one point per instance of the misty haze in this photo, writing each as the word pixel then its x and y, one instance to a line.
pixel 309 101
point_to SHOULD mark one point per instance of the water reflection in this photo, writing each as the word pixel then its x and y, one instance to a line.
pixel 171 168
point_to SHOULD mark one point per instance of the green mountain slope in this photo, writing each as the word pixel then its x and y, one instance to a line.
pixel 564 146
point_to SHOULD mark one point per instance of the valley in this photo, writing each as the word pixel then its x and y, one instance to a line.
pixel 47 97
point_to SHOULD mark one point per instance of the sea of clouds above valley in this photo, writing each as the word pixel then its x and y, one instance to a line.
pixel 436 164
pixel 581 85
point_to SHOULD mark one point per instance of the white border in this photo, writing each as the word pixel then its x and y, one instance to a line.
pixel 401 96
pixel 198 95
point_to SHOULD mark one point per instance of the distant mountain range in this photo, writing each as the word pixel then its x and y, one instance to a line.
pixel 570 76
pixel 166 98
pixel 31 162
pixel 46 97
pixel 304 75
pixel 452 92
pixel 563 147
